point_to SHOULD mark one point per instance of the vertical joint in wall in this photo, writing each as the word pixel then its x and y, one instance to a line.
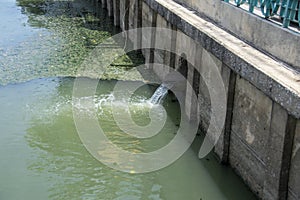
pixel 116 8
pixel 286 157
pixel 126 16
pixel 104 4
pixel 173 46
pixel 228 119
pixel 153 38
pixel 196 80
pixel 139 8
pixel 109 5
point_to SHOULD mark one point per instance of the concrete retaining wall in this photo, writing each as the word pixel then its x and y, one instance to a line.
pixel 269 37
pixel 261 136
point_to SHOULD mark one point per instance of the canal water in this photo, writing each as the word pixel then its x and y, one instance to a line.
pixel 42 44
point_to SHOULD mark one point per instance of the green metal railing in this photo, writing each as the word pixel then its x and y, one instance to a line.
pixel 287 10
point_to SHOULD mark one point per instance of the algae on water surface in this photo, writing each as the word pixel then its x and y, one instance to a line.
pixel 62 35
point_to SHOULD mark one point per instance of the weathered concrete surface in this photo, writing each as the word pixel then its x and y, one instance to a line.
pixel 160 56
pixel 132 19
pixel 147 21
pixel 274 152
pixel 109 7
pixel 103 2
pixel 116 10
pixel 272 38
pixel 294 181
pixel 222 146
pixel 249 136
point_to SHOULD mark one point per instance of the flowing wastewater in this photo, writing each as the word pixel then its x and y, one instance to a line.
pixel 159 94
pixel 42 44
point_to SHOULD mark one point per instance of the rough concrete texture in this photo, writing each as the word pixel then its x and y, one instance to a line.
pixel 186 46
pixel 294 181
pixel 109 4
pixel 280 42
pixel 116 12
pixel 160 55
pixel 210 71
pixel 189 106
pixel 146 36
pixel 201 84
pixel 132 19
pixel 222 146
pixel 274 152
pixel 204 99
pixel 250 133
pixel 248 166
pixel 123 8
pixel 103 2
pixel 147 16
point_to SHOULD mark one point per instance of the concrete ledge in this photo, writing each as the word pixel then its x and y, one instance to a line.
pixel 276 80
pixel 259 32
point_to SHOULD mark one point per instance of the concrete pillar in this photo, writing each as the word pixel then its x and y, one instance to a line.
pixel 109 6
pixel 104 4
pixel 197 76
pixel 294 180
pixel 191 101
pixel 135 21
pixel 279 152
pixel 124 14
pixel 164 40
pixel 116 10
pixel 173 46
pixel 286 157
pixel 223 144
pixel 153 38
pixel 139 24
pixel 250 131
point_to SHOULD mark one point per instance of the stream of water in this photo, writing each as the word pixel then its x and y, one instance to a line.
pixel 159 94
pixel 42 44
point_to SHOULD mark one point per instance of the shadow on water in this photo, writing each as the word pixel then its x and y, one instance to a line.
pixel 91 16
pixel 74 20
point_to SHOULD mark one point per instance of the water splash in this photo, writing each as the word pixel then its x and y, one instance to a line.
pixel 159 94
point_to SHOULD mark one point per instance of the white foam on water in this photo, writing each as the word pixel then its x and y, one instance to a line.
pixel 159 94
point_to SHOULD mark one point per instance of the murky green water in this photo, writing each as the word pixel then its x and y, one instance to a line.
pixel 41 155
